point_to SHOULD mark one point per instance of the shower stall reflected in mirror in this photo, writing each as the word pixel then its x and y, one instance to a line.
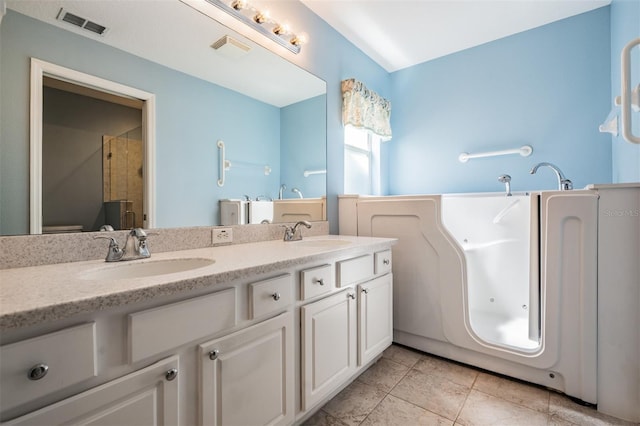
pixel 122 159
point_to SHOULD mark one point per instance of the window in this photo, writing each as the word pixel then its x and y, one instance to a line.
pixel 361 162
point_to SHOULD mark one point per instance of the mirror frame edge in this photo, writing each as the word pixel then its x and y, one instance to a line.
pixel 39 68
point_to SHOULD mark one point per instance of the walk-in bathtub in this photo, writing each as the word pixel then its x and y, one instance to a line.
pixel 498 236
pixel 505 283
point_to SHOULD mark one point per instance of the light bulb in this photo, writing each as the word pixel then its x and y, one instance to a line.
pixel 261 17
pixel 281 29
pixel 239 4
pixel 299 39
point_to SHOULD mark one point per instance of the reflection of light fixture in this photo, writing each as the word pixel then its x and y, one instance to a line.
pixel 262 22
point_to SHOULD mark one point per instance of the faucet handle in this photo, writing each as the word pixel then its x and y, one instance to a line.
pixel 141 249
pixel 288 233
pixel 115 253
pixel 566 185
pixel 113 242
pixel 138 232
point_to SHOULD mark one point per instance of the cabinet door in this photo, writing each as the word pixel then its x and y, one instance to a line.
pixel 147 397
pixel 375 317
pixel 329 328
pixel 247 378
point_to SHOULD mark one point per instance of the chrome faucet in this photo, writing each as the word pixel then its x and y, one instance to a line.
pixel 282 188
pixel 135 247
pixel 292 233
pixel 564 184
pixel 506 179
pixel 297 191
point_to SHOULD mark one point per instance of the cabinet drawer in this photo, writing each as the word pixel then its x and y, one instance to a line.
pixel 270 296
pixel 315 281
pixel 382 262
pixel 167 327
pixel 354 270
pixel 62 358
pixel 144 397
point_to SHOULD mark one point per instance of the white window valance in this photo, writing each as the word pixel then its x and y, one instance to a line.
pixel 365 109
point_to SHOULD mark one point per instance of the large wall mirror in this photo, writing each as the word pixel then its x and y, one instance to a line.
pixel 269 114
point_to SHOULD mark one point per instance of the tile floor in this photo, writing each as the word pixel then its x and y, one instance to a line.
pixel 407 387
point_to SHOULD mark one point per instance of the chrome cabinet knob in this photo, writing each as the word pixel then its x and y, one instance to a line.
pixel 213 355
pixel 319 281
pixel 276 296
pixel 171 374
pixel 386 261
pixel 38 371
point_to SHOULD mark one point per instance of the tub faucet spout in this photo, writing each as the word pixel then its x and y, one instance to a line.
pixel 564 184
pixel 506 179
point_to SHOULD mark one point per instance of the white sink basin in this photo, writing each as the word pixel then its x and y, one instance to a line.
pixel 148 268
pixel 329 243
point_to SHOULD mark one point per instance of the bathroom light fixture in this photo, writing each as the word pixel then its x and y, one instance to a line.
pixel 261 21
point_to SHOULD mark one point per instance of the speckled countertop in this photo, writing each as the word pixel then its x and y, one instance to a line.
pixel 33 295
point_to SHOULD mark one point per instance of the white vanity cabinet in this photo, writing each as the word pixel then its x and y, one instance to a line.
pixel 342 333
pixel 247 378
pixel 146 397
pixel 266 345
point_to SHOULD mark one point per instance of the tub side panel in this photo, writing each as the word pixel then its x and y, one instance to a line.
pixel 569 288
pixel 422 261
pixel 619 303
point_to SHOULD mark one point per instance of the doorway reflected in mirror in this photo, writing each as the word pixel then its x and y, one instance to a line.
pixel 84 170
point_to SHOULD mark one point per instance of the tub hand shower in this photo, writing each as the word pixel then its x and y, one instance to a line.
pixel 506 179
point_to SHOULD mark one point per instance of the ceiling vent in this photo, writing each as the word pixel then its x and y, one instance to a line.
pixel 81 22
pixel 230 47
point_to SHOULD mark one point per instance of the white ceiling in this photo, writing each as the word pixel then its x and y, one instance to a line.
pixel 171 33
pixel 401 33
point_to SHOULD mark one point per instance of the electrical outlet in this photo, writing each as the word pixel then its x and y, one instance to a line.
pixel 222 235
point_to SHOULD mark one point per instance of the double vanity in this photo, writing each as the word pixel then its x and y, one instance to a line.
pixel 252 334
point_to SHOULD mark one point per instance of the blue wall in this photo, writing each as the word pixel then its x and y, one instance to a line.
pixel 625 26
pixel 548 87
pixel 303 147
